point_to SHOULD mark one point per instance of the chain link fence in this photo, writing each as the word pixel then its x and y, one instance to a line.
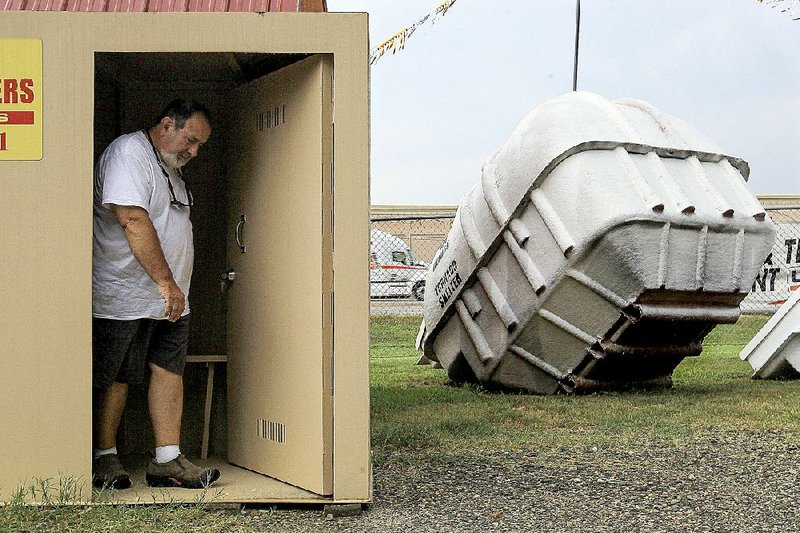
pixel 401 247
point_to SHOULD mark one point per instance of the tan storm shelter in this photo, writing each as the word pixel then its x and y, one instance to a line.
pixel 280 211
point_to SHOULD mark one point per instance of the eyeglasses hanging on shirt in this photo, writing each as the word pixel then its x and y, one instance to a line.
pixel 174 201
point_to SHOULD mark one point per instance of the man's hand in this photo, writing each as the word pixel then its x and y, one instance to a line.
pixel 174 300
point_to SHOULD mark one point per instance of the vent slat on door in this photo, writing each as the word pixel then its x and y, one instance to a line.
pixel 269 430
pixel 271 118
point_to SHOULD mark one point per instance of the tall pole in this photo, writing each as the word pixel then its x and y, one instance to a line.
pixel 577 40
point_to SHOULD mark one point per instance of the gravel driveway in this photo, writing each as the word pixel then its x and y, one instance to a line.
pixel 712 482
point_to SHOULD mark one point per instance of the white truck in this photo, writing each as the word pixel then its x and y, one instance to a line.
pixel 394 271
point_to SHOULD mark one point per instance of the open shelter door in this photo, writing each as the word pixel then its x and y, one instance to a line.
pixel 280 331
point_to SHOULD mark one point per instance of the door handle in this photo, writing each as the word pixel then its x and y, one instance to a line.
pixel 240 234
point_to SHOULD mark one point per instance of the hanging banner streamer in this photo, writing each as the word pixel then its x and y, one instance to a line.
pixel 790 7
pixel 398 40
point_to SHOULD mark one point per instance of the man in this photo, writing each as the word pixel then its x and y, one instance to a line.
pixel 141 269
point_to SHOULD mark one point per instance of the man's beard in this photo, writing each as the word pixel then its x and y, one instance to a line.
pixel 172 161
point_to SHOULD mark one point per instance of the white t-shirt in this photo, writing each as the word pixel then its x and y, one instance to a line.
pixel 128 174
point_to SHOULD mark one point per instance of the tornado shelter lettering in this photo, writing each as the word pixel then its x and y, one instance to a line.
pixel 447 284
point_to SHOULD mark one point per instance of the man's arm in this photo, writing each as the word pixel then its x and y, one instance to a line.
pixel 146 247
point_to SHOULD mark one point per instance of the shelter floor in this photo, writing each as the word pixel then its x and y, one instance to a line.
pixel 235 485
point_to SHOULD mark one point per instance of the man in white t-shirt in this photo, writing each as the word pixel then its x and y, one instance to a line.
pixel 141 270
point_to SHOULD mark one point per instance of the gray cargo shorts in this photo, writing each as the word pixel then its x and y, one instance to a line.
pixel 122 349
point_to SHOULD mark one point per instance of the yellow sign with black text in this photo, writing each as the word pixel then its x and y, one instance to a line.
pixel 20 99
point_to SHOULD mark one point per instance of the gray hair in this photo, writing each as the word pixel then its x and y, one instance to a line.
pixel 180 110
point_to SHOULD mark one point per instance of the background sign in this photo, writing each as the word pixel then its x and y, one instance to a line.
pixel 780 274
pixel 20 99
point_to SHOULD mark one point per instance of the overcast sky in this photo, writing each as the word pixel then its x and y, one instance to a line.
pixel 452 97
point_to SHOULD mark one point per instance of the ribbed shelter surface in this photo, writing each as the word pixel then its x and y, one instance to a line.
pixel 260 6
pixel 604 241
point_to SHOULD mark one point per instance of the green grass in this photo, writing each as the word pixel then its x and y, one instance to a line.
pixel 416 408
pixel 117 519
pixel 417 413
pixel 737 334
pixel 55 514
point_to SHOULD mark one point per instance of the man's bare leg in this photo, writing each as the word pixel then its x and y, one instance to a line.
pixel 165 400
pixel 108 414
pixel 170 468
